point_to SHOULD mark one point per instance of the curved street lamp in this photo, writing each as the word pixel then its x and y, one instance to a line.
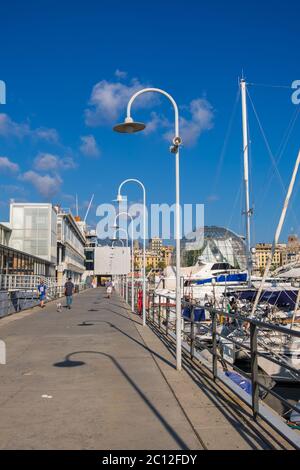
pixel 120 199
pixel 113 247
pixel 120 229
pixel 130 127
pixel 132 256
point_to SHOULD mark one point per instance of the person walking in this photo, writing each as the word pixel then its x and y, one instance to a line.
pixel 69 290
pixel 109 289
pixel 42 290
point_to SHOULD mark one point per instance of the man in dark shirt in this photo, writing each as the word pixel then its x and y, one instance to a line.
pixel 69 289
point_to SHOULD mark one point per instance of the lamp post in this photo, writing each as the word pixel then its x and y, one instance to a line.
pixel 132 256
pixel 121 276
pixel 120 199
pixel 130 127
pixel 120 229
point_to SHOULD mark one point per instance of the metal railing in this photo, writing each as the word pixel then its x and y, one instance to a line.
pixel 161 314
pixel 18 294
pixel 15 282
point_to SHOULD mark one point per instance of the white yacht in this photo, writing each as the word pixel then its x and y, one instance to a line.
pixel 204 282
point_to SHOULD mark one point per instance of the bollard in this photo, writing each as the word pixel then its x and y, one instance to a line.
pixel 159 311
pixel 167 315
pixel 254 370
pixel 192 332
pixel 214 346
pixel 153 307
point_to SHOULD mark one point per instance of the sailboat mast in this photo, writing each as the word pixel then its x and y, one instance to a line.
pixel 248 211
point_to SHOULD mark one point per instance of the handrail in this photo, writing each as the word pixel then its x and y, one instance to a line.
pixel 14 304
pixel 159 309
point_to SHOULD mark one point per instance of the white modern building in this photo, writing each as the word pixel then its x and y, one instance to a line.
pixel 70 248
pixel 16 262
pixel 33 231
pixel 111 262
pixel 51 234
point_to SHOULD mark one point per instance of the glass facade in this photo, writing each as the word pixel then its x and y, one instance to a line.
pixel 215 245
pixel 34 230
pixel 90 259
pixel 4 235
pixel 15 262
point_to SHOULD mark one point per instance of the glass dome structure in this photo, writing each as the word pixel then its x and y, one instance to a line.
pixel 214 245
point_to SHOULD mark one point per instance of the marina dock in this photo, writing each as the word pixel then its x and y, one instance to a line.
pixel 94 378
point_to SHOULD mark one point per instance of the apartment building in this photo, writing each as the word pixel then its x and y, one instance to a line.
pixel 155 245
pixel 154 259
pixel 262 253
pixel 71 244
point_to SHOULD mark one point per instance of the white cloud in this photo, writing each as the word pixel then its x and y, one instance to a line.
pixel 49 162
pixel 42 133
pixel 6 164
pixel 157 122
pixel 120 74
pixel 47 185
pixel 10 128
pixel 12 189
pixel 45 162
pixel 201 116
pixel 109 100
pixel 67 163
pixel 89 146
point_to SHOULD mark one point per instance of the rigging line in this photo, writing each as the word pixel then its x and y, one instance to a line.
pixel 238 200
pixel 280 153
pixel 253 198
pixel 237 197
pixel 271 155
pixel 290 130
pixel 265 85
pixel 227 135
pixel 267 143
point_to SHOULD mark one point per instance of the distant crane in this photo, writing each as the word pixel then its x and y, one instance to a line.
pixel 89 207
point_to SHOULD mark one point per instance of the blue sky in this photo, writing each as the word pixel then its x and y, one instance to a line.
pixel 70 67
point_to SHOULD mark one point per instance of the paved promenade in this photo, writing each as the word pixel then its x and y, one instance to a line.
pixel 93 378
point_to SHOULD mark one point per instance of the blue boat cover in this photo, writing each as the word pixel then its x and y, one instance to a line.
pixel 222 279
pixel 199 313
pixel 280 298
pixel 239 380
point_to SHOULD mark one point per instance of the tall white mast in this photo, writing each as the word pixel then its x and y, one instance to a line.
pixel 248 211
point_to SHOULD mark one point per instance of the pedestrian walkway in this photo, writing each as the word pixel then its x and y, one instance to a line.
pixel 94 378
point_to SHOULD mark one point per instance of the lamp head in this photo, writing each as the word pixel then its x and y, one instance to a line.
pixel 129 126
